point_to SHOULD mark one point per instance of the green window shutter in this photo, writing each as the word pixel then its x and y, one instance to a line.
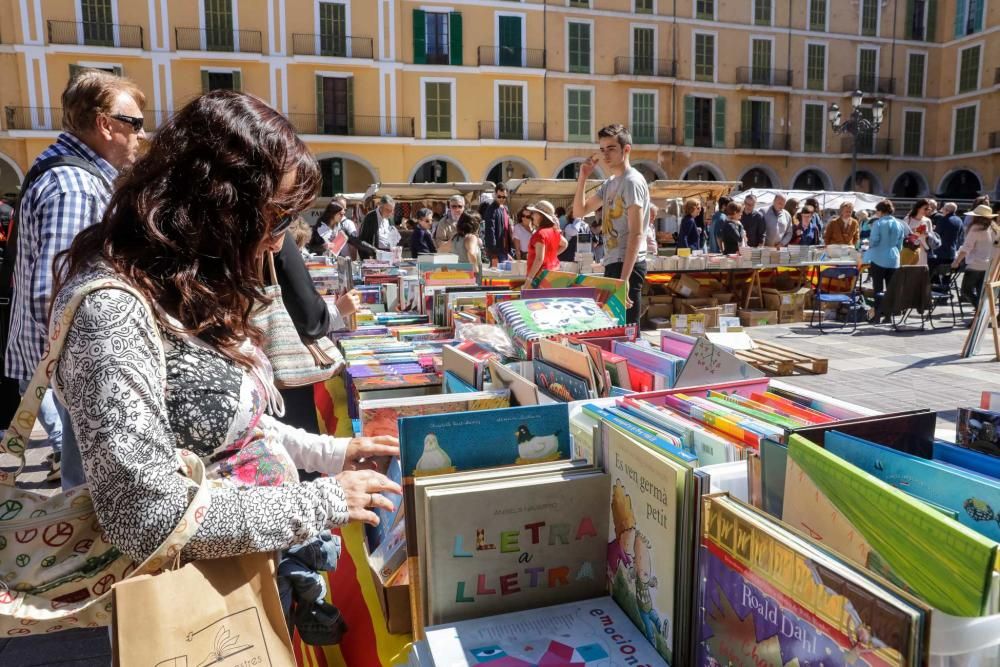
pixel 237 81
pixel 909 20
pixel 720 122
pixel 688 120
pixel 745 117
pixel 455 30
pixel 930 29
pixel 419 37
pixel 350 105
pixel 960 17
pixel 320 107
pixel 204 81
pixel 977 7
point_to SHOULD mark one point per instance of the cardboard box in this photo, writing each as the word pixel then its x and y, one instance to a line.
pixel 777 299
pixel 664 310
pixel 756 318
pixel 394 600
pixel 724 297
pixel 685 286
pixel 791 315
pixel 690 306
pixel 711 316
pixel 660 299
pixel 690 324
pixel 728 309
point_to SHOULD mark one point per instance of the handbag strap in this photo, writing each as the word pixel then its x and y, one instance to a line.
pixel 16 438
pixel 270 266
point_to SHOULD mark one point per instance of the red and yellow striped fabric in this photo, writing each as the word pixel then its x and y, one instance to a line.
pixel 367 642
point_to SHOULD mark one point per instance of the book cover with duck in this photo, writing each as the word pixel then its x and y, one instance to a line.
pixel 435 444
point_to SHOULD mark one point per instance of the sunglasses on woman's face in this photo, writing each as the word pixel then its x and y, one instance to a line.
pixel 284 222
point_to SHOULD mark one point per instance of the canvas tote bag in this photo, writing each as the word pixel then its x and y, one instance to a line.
pixel 223 612
pixel 295 363
pixel 56 565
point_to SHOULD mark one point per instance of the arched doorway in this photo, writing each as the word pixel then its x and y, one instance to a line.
pixel 649 170
pixel 702 172
pixel 810 179
pixel 756 178
pixel 909 185
pixel 867 182
pixel 961 184
pixel 508 168
pixel 344 174
pixel 10 177
pixel 571 170
pixel 438 170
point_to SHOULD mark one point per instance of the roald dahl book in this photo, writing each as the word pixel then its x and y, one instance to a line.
pixel 769 597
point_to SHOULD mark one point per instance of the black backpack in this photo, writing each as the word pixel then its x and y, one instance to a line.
pixel 9 394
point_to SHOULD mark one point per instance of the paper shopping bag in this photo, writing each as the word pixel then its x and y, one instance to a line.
pixel 223 612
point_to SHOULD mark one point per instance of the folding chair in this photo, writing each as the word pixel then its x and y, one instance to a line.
pixel 949 294
pixel 850 298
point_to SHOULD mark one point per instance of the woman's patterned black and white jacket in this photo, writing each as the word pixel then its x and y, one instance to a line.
pixel 135 393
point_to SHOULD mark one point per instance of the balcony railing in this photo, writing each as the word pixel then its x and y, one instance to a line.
pixel 238 41
pixel 883 85
pixel 34 118
pixel 762 141
pixel 333 46
pixel 96 34
pixel 511 130
pixel 867 145
pixel 644 134
pixel 357 126
pixel 764 76
pixel 645 66
pixel 503 56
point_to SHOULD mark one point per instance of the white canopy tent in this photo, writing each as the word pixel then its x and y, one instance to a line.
pixel 827 200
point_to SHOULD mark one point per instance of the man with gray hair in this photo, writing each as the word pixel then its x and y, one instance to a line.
pixel 950 228
pixel 66 191
pixel 778 224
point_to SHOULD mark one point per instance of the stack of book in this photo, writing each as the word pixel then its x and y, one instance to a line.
pixel 530 320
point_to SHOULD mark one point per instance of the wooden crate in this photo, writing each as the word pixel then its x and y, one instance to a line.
pixel 779 360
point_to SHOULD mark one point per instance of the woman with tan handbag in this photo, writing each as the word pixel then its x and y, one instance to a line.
pixel 173 362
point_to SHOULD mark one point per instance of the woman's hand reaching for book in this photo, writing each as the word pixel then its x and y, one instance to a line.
pixel 364 491
pixel 348 303
pixel 370 453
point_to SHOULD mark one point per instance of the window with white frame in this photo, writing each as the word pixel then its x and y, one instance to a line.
pixel 762 10
pixel 817 15
pixel 969 17
pixel 579 114
pixel 913 132
pixel 579 48
pixel 965 129
pixel 704 57
pixel 968 68
pixel 643 117
pixel 437 109
pixel 869 18
pixel 813 126
pixel 915 67
pixel 815 66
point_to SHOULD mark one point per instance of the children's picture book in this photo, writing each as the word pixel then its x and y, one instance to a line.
pixel 646 488
pixel 984 464
pixel 876 526
pixel 511 544
pixel 590 633
pixel 976 499
pixel 709 364
pixel 532 319
pixel 559 384
pixel 453 384
pixel 381 417
pixel 435 444
pixel 612 293
pixel 663 365
pixel 979 430
pixel 769 597
pixel 390 555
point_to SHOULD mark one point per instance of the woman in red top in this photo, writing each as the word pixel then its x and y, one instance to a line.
pixel 546 243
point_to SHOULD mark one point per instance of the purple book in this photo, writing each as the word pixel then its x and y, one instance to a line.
pixel 391 369
pixel 559 292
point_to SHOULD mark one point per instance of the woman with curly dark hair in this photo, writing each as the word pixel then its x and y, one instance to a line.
pixel 176 364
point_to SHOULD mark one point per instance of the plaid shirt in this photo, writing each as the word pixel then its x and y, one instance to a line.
pixel 58 205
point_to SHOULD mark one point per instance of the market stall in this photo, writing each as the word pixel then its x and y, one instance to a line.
pixel 828 200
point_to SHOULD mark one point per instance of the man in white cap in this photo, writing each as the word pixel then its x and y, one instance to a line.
pixel 624 203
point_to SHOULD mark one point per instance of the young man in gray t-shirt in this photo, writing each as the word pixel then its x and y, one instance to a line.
pixel 624 200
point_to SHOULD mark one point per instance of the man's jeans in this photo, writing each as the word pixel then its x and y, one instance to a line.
pixel 55 420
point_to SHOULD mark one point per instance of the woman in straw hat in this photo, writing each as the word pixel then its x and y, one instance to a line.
pixel 546 243
pixel 977 251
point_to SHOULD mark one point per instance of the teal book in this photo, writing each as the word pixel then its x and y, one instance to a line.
pixel 647 434
pixel 976 499
pixel 435 444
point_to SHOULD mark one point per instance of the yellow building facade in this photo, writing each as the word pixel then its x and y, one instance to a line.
pixel 416 90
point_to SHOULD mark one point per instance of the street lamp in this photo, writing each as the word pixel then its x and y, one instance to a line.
pixel 855 124
pixel 510 170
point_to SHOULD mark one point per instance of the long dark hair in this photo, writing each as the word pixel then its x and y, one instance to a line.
pixel 918 206
pixel 187 222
